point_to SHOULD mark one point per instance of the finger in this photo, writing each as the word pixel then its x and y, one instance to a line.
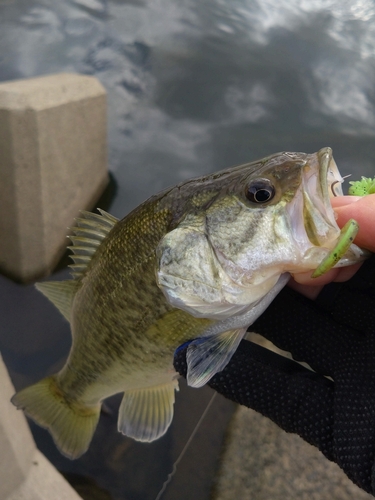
pixel 363 211
pixel 341 201
pixel 346 273
pixel 306 279
pixel 309 291
pixel 311 287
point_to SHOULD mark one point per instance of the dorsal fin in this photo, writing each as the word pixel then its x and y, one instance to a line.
pixel 89 232
pixel 60 293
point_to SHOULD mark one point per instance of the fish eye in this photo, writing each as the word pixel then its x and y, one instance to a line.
pixel 260 191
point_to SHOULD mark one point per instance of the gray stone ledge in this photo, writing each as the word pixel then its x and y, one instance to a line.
pixel 25 474
pixel 53 163
pixel 260 461
pixel 43 482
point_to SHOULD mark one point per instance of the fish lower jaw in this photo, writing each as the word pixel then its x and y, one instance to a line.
pixel 312 258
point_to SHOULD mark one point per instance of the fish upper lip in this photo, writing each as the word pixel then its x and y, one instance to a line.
pixel 319 222
pixel 324 158
pixel 330 182
pixel 329 175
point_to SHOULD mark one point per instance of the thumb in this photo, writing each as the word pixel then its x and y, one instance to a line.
pixel 363 211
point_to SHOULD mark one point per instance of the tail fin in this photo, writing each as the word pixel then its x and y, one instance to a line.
pixel 71 425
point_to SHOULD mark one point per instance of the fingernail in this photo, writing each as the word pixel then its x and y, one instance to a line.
pixel 345 200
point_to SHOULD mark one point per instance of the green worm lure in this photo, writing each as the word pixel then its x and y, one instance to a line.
pixel 360 188
pixel 347 235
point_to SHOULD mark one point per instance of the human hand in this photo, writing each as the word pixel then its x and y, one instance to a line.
pixel 335 335
pixel 360 208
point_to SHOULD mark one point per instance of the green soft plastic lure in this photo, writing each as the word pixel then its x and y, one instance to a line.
pixel 363 187
pixel 347 235
pixel 358 188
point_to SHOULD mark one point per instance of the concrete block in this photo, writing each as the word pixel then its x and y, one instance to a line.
pixel 261 461
pixel 16 443
pixel 44 482
pixel 25 474
pixel 53 163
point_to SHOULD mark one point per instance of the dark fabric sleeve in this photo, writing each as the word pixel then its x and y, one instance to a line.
pixel 335 335
pixel 295 398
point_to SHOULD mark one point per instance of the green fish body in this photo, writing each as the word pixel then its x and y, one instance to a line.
pixel 198 261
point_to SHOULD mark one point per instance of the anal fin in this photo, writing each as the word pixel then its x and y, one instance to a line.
pixel 145 414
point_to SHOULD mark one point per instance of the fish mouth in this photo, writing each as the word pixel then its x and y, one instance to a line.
pixel 330 178
pixel 321 181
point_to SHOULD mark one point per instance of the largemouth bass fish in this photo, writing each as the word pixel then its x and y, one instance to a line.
pixel 201 261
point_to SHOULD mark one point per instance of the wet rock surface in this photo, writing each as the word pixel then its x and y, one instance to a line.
pixel 263 462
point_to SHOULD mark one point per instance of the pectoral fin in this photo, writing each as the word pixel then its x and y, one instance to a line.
pixel 209 355
pixel 145 414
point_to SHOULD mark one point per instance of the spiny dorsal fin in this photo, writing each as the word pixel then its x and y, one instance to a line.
pixel 90 231
pixel 60 293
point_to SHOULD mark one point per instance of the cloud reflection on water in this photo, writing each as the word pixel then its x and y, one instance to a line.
pixel 180 75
